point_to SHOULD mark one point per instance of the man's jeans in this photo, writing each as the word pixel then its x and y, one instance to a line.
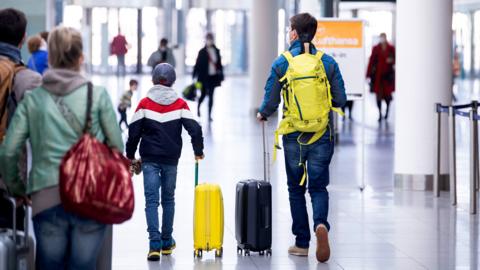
pixel 159 179
pixel 316 157
pixel 66 241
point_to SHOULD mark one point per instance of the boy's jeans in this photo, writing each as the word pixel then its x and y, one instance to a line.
pixel 159 179
pixel 316 157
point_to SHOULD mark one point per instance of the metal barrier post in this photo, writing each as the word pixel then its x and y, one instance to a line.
pixel 436 180
pixel 473 158
pixel 452 155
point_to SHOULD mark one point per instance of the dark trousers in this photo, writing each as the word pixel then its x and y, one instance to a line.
pixel 121 69
pixel 207 90
pixel 123 117
pixel 316 157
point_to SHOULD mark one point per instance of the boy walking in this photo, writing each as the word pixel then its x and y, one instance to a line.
pixel 126 102
pixel 158 122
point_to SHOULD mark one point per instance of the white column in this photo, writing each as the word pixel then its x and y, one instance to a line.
pixel 263 36
pixel 424 74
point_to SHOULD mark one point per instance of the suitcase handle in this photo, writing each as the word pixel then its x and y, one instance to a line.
pixel 196 173
pixel 14 221
pixel 266 154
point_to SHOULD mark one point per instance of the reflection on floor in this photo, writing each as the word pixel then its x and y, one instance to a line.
pixel 380 228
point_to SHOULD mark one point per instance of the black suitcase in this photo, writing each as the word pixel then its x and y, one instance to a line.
pixel 253 212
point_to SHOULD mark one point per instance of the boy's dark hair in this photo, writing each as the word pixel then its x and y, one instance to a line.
pixel 133 82
pixel 164 41
pixel 13 25
pixel 305 25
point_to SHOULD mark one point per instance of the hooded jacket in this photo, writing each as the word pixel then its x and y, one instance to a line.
pixel 38 119
pixel 158 122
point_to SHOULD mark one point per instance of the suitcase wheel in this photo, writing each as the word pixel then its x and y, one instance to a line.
pixel 219 253
pixel 269 252
pixel 239 250
pixel 247 252
pixel 262 253
pixel 197 253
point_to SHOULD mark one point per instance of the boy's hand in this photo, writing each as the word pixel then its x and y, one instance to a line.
pixel 199 157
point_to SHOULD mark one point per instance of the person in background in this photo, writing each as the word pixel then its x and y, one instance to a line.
pixel 38 48
pixel 208 70
pixel 349 106
pixel 63 240
pixel 126 102
pixel 163 54
pixel 158 122
pixel 381 72
pixel 316 155
pixel 13 24
pixel 119 48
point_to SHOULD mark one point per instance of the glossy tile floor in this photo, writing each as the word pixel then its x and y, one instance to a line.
pixel 379 228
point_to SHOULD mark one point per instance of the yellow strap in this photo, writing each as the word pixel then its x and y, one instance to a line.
pixel 319 54
pixel 304 177
pixel 275 146
pixel 288 55
pixel 338 110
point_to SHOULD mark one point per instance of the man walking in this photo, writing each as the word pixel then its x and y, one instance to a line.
pixel 312 87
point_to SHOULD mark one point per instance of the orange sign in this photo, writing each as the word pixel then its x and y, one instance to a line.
pixel 339 34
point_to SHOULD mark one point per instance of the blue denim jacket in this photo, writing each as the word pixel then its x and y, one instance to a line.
pixel 273 86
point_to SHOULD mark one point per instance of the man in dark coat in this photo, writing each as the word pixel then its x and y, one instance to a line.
pixel 381 71
pixel 208 70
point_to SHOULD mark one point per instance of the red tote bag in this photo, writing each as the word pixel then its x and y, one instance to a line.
pixel 95 181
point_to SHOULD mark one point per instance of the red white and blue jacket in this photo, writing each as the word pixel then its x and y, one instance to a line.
pixel 158 123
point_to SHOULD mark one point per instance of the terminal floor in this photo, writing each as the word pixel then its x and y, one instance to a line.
pixel 379 228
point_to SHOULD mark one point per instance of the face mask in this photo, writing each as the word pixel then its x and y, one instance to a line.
pixel 383 40
pixel 162 48
pixel 288 37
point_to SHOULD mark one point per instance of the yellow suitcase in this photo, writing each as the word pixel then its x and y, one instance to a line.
pixel 208 219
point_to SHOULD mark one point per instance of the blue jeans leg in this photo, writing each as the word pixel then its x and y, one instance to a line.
pixel 168 177
pixel 151 183
pixel 298 208
pixel 51 233
pixel 318 162
pixel 66 241
pixel 86 240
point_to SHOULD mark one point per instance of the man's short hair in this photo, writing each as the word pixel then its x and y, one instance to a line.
pixel 305 25
pixel 13 25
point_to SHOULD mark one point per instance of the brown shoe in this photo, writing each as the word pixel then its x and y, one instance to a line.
pixel 323 248
pixel 296 251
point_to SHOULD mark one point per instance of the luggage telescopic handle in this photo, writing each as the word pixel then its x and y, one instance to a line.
pixel 196 172
pixel 266 155
pixel 14 221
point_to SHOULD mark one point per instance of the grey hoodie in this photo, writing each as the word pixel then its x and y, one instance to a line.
pixel 62 82
pixel 162 95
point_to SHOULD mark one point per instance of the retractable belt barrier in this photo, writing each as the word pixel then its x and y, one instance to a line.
pixel 472 115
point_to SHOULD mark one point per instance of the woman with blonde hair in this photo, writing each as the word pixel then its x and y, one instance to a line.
pixel 38 48
pixel 64 239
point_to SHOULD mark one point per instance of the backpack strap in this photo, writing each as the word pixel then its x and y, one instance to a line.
pixel 319 54
pixel 288 55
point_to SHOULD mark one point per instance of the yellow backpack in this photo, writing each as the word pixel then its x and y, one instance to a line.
pixel 307 98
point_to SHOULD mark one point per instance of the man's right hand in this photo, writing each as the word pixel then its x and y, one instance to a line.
pixel 199 157
pixel 260 117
